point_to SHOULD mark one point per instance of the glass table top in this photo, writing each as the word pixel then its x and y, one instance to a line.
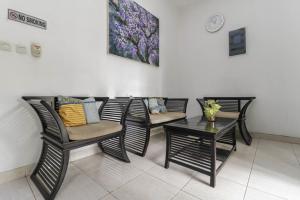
pixel 202 125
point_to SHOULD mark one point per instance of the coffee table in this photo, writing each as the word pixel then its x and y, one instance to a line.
pixel 200 145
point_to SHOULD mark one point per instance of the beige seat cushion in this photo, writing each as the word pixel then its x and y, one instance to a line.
pixel 165 117
pixel 230 115
pixel 88 131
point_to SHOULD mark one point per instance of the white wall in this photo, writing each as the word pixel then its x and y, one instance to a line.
pixel 269 71
pixel 74 62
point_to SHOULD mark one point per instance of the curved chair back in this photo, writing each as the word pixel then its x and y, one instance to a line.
pixel 115 110
pixel 47 108
pixel 227 105
pixel 244 109
pixel 176 105
pixel 138 110
pixel 201 103
pixel 51 122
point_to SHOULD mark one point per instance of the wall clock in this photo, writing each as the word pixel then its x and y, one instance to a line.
pixel 215 23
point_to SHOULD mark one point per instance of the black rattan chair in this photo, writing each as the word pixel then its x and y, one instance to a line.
pixel 232 108
pixel 139 122
pixel 53 163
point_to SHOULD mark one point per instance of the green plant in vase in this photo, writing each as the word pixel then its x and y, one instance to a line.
pixel 211 108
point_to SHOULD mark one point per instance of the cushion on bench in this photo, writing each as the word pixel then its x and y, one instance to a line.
pixel 230 115
pixel 165 117
pixel 72 115
pixel 89 131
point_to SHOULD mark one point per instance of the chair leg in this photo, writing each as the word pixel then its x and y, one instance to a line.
pixel 50 171
pixel 148 132
pixel 137 139
pixel 244 132
pixel 115 147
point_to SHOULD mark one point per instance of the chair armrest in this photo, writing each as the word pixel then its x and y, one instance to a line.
pixel 176 104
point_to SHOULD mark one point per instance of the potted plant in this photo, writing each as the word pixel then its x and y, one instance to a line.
pixel 210 110
pixel 210 126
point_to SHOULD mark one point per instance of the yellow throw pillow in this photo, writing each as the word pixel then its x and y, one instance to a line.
pixel 72 114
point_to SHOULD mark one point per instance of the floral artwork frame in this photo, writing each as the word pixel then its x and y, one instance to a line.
pixel 133 32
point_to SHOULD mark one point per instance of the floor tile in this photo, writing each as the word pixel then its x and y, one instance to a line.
pixel 224 190
pixel 146 187
pixel 239 164
pixel 184 196
pixel 294 188
pixel 92 162
pixel 253 194
pixel 174 175
pixel 108 172
pixel 276 170
pixel 109 197
pixel 76 186
pixel 16 190
pixel 296 148
pixel 271 168
pixel 275 151
pixel 140 162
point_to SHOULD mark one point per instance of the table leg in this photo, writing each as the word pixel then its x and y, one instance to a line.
pixel 213 163
pixel 168 139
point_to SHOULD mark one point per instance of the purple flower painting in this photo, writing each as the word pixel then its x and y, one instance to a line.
pixel 133 32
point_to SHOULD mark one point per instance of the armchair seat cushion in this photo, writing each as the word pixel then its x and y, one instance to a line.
pixel 230 115
pixel 166 117
pixel 89 131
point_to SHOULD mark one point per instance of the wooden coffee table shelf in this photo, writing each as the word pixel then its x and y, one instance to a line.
pixel 192 143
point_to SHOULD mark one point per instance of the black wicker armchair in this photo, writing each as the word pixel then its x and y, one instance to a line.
pixel 139 122
pixel 232 107
pixel 57 144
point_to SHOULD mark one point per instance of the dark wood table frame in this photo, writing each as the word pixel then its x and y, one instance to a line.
pixel 197 149
pixel 234 104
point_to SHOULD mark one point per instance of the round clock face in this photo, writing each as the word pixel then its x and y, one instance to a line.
pixel 215 23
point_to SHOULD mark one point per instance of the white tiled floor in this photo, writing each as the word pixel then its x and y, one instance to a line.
pixel 267 170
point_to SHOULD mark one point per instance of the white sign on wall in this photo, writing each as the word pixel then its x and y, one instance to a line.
pixel 26 19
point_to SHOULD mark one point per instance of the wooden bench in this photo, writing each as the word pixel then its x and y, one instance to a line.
pixel 233 108
pixel 139 122
pixel 59 140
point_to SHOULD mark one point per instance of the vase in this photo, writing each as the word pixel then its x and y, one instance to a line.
pixel 211 118
pixel 211 127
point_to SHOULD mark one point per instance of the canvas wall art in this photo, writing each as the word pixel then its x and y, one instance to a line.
pixel 133 32
pixel 237 42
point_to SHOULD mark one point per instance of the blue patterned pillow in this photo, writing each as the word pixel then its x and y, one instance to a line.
pixel 91 111
pixel 153 106
pixel 161 105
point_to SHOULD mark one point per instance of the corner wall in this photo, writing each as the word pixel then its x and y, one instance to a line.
pixel 74 62
pixel 270 70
